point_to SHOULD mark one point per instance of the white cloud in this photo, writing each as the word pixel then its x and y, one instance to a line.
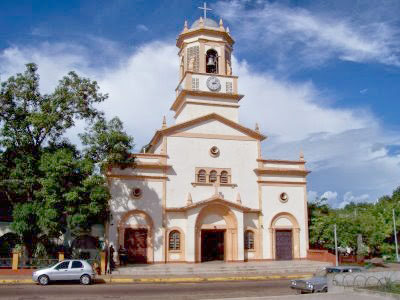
pixel 330 196
pixel 142 27
pixel 315 36
pixel 346 149
pixel 350 198
pixel 291 111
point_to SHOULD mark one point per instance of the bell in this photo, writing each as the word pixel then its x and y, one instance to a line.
pixel 211 61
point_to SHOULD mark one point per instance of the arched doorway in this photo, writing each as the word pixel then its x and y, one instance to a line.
pixel 216 234
pixel 135 234
pixel 285 237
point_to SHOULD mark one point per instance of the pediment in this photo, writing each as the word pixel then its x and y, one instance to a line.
pixel 216 199
pixel 211 124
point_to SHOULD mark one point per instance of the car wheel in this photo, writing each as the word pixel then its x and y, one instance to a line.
pixel 324 290
pixel 43 280
pixel 85 279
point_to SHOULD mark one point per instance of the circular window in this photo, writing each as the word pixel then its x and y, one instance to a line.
pixel 137 193
pixel 284 197
pixel 214 151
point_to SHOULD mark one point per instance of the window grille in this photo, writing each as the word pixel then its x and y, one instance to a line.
pixel 229 88
pixel 193 52
pixel 201 177
pixel 249 240
pixel 174 240
pixel 213 176
pixel 224 177
pixel 195 84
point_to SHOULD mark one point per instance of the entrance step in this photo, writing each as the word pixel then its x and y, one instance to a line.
pixel 204 269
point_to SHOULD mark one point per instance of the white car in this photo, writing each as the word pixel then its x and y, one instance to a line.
pixel 73 269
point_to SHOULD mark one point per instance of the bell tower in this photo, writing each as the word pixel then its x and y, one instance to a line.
pixel 206 84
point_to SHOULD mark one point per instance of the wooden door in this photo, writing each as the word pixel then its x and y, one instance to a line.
pixel 283 244
pixel 212 245
pixel 136 245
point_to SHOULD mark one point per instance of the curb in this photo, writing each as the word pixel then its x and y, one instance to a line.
pixel 16 281
pixel 205 279
pixel 173 279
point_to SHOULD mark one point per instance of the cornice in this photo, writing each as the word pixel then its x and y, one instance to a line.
pixel 136 177
pixel 280 161
pixel 289 183
pixel 213 116
pixel 205 30
pixel 281 171
pixel 150 155
pixel 214 199
pixel 140 165
pixel 181 96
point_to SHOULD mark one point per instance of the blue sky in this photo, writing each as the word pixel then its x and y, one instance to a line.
pixel 320 76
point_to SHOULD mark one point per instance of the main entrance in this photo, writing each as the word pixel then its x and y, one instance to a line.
pixel 212 245
pixel 135 242
pixel 284 244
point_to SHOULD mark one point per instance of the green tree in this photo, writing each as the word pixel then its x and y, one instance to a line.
pixel 373 221
pixel 50 184
pixel 107 143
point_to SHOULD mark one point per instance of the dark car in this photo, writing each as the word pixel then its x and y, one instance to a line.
pixel 319 283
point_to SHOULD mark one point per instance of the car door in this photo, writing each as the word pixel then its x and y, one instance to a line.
pixel 76 270
pixel 60 271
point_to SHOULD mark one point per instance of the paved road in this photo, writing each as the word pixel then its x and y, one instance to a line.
pixel 178 291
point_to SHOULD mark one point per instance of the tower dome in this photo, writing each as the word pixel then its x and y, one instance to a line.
pixel 207 23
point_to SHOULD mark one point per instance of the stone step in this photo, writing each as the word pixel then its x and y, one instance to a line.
pixel 222 270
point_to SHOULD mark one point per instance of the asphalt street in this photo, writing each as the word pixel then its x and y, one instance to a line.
pixel 176 291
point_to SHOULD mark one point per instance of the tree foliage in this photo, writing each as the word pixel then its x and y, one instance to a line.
pixel 107 143
pixel 48 181
pixel 373 221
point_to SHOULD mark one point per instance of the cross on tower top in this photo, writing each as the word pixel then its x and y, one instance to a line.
pixel 204 8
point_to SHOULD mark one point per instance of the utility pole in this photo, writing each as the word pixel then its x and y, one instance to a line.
pixel 395 236
pixel 336 250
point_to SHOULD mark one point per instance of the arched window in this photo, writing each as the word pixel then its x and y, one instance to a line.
pixel 213 176
pixel 174 240
pixel 201 176
pixel 249 240
pixel 224 177
pixel 212 61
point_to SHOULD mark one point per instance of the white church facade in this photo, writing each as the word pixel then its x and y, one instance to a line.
pixel 202 191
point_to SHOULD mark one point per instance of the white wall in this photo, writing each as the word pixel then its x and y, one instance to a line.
pixel 273 206
pixel 150 202
pixel 192 111
pixel 185 154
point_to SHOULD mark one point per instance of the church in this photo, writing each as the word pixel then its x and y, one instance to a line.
pixel 202 191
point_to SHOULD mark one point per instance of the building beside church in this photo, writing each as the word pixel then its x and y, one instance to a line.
pixel 202 191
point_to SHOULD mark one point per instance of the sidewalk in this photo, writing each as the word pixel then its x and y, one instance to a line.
pixel 205 272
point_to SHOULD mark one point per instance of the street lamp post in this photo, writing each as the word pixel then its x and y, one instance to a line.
pixel 395 236
pixel 336 249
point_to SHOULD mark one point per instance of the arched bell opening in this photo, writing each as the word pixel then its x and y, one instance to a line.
pixel 212 61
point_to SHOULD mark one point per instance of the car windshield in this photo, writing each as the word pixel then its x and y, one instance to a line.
pixel 52 265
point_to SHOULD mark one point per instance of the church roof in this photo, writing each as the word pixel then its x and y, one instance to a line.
pixel 213 116
pixel 217 199
pixel 207 23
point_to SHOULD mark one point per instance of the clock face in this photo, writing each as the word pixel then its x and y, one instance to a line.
pixel 213 83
